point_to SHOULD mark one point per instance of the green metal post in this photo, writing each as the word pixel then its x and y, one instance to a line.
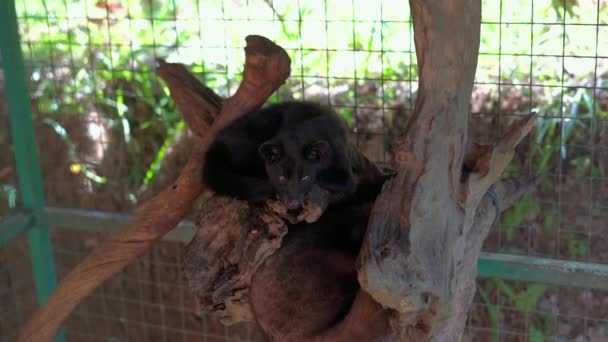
pixel 28 168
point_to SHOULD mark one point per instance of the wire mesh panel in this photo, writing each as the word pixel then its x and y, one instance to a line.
pixel 109 135
pixel 149 301
pixel 548 57
pixel 17 292
pixel 8 177
pixel 551 59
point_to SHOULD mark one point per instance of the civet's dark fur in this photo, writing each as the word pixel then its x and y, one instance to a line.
pixel 308 289
pixel 283 150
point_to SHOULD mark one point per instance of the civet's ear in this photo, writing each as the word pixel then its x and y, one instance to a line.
pixel 316 151
pixel 271 151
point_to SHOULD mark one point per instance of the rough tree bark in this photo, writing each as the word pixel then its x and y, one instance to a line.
pixel 428 225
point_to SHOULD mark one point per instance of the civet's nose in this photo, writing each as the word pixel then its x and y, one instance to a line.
pixel 294 208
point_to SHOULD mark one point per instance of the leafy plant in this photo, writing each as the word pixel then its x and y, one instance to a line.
pixel 523 298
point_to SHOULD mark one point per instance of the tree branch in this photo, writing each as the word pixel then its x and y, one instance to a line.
pixel 197 104
pixel 267 67
pixel 418 257
pixel 489 165
pixel 232 241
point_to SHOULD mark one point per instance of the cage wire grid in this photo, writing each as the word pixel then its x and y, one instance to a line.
pixel 109 137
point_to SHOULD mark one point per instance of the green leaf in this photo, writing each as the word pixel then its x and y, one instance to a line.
pixel 526 300
pixel 493 312
pixel 536 335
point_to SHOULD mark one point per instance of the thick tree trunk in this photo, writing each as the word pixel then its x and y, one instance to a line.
pixel 427 227
pixel 414 258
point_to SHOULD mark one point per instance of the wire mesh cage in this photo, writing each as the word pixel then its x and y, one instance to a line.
pixel 109 136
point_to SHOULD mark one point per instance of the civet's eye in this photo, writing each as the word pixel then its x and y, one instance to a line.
pixel 282 179
pixel 305 178
pixel 312 154
pixel 315 151
pixel 271 151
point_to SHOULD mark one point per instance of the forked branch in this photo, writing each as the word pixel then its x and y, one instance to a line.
pixel 488 162
pixel 267 67
pixel 428 225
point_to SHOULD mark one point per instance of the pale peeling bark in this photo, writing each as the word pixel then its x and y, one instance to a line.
pixel 428 225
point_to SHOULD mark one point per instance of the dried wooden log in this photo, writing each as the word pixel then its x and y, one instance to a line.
pixel 428 225
pixel 267 66
pixel 232 241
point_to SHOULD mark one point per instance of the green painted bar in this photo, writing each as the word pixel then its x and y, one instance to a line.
pixel 100 221
pixel 544 270
pixel 13 226
pixel 23 138
pixel 515 267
